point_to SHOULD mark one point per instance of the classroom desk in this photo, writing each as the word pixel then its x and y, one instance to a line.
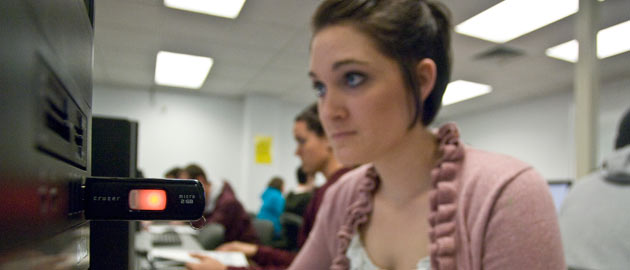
pixel 143 245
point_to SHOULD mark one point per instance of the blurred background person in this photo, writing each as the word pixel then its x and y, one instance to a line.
pixel 298 199
pixel 273 205
pixel 594 218
pixel 313 149
pixel 222 207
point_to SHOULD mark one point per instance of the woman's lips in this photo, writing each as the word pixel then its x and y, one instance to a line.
pixel 343 134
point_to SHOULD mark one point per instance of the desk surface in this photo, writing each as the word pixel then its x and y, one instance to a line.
pixel 143 245
pixel 143 242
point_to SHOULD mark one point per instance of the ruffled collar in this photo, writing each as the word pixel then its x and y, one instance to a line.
pixel 442 198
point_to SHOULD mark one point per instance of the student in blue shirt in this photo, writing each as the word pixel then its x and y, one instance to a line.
pixel 273 205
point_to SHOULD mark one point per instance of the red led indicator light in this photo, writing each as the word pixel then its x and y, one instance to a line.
pixel 147 199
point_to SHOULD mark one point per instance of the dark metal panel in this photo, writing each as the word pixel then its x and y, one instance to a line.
pixel 114 154
pixel 45 97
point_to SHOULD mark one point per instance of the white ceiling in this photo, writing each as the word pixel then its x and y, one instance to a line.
pixel 265 50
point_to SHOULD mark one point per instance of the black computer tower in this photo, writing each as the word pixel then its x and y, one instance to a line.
pixel 46 98
pixel 114 154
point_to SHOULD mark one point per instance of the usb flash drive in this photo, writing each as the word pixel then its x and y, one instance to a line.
pixel 109 198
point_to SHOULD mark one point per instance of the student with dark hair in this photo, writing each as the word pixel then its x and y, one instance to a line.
pixel 296 202
pixel 316 155
pixel 301 176
pixel 222 207
pixel 593 219
pixel 623 135
pixel 298 199
pixel 273 205
pixel 380 68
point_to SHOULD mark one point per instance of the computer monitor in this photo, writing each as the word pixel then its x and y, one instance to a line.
pixel 559 190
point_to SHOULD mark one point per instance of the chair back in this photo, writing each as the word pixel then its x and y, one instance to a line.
pixel 264 230
pixel 211 236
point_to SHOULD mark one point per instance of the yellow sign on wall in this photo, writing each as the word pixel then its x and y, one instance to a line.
pixel 263 149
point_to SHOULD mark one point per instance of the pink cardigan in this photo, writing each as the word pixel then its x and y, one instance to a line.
pixel 488 211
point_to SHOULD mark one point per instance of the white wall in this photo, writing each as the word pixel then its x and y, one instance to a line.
pixel 217 133
pixel 540 131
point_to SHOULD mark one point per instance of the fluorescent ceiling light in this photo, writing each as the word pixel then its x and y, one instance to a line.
pixel 510 19
pixel 222 8
pixel 181 70
pixel 567 51
pixel 461 90
pixel 610 41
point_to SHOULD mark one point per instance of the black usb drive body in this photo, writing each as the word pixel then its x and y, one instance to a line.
pixel 109 198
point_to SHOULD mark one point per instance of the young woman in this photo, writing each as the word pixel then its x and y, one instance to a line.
pixel 316 155
pixel 380 69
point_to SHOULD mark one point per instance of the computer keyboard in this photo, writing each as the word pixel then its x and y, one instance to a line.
pixel 166 239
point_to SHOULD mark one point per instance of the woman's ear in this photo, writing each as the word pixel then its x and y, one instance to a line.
pixel 426 72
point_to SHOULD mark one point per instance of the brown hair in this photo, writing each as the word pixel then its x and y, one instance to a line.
pixel 172 173
pixel 405 30
pixel 311 118
pixel 195 171
pixel 276 183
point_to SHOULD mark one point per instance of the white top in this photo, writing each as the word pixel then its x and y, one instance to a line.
pixel 359 259
pixel 216 187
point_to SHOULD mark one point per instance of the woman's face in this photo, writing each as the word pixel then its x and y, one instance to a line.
pixel 363 103
pixel 313 151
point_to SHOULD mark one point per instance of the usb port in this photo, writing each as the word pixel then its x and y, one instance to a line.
pixel 78 130
pixel 78 127
pixel 78 140
pixel 57 126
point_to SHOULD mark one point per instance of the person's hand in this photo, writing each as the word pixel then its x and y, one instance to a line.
pixel 247 248
pixel 205 263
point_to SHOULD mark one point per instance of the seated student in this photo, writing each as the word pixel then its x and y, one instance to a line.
pixel 380 69
pixel 222 207
pixel 273 205
pixel 594 218
pixel 314 151
pixel 298 199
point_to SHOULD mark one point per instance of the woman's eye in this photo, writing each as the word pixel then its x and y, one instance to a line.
pixel 320 89
pixel 354 79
